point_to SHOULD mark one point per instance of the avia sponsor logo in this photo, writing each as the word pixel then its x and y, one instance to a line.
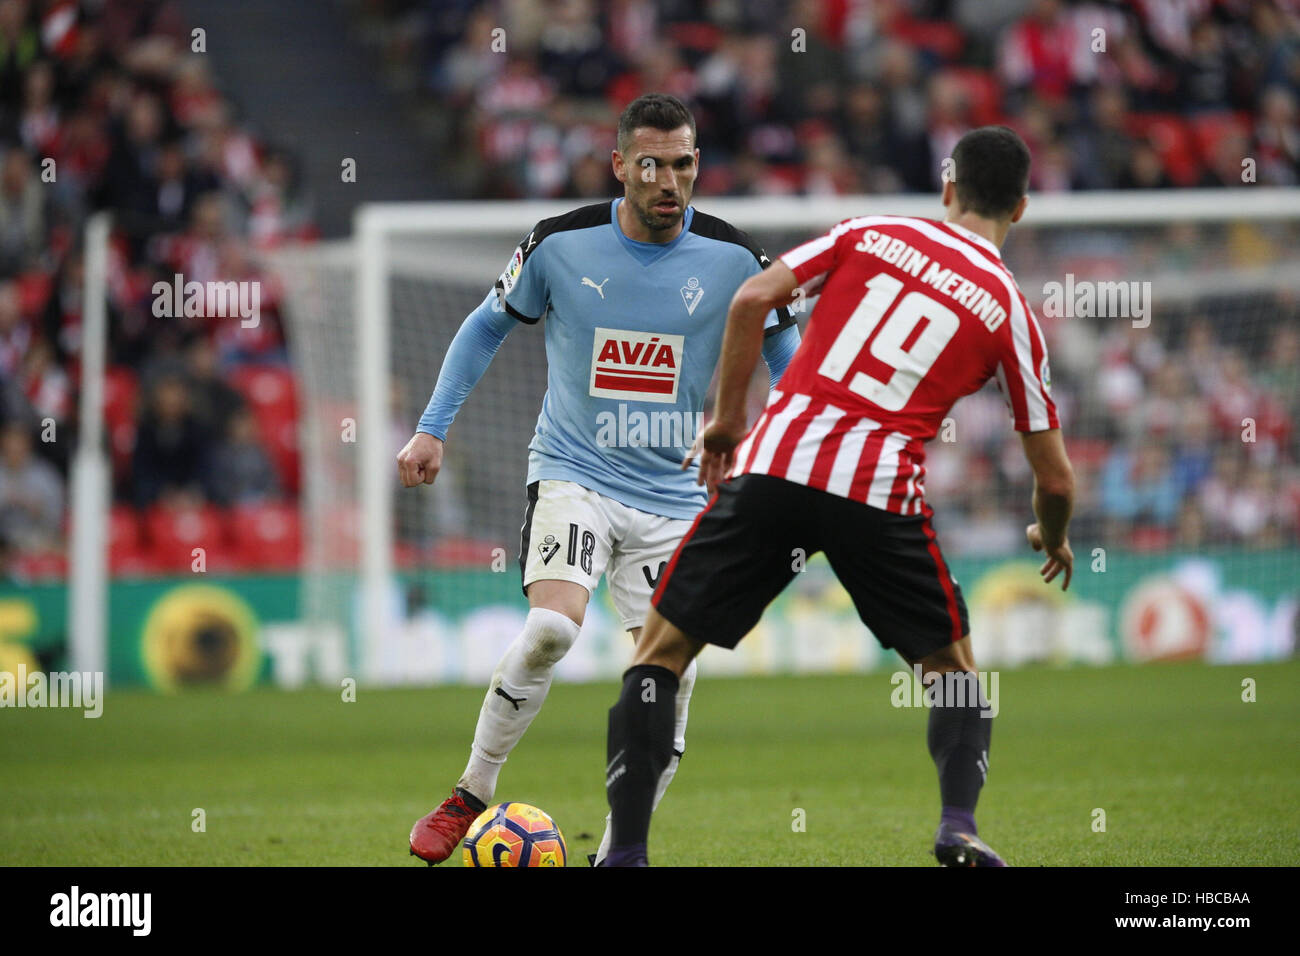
pixel 639 429
pixel 637 366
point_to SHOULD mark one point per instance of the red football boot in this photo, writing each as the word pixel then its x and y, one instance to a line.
pixel 436 835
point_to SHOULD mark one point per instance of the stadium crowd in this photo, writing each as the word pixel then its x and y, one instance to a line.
pixel 103 105
pixel 861 96
pixel 106 105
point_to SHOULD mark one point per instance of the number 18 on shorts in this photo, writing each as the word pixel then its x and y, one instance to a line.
pixel 571 533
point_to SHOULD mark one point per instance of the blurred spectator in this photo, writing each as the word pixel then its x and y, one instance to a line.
pixel 240 471
pixel 1194 456
pixel 20 47
pixel 171 447
pixel 572 49
pixel 15 331
pixel 213 401
pixel 22 213
pixel 38 119
pixel 129 176
pixel 1206 78
pixel 279 207
pixel 173 190
pixel 1039 53
pixel 45 385
pixel 1139 487
pixel 1277 134
pixel 31 493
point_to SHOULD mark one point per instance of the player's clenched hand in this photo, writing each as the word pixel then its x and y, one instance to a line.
pixel 1059 558
pixel 718 442
pixel 420 461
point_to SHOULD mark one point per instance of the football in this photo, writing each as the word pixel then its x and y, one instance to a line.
pixel 514 834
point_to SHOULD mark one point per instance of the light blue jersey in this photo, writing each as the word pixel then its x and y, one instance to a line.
pixel 633 333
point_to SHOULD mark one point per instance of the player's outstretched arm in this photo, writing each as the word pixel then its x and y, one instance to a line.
pixel 741 345
pixel 1053 502
pixel 468 357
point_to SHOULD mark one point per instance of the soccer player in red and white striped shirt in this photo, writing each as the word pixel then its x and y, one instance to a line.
pixel 913 314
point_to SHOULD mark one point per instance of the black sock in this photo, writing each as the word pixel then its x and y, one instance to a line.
pixel 959 738
pixel 639 746
pixel 471 801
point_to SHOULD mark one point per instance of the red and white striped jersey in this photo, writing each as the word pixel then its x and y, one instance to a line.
pixel 913 315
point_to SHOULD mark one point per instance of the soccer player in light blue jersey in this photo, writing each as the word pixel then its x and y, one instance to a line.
pixel 635 294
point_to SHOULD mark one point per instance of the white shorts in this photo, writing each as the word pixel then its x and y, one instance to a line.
pixel 573 534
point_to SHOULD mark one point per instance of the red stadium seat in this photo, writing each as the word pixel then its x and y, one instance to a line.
pixel 407 555
pixel 174 533
pixel 1209 129
pixel 121 390
pixel 121 400
pixel 344 528
pixel 270 392
pixel 42 565
pixel 33 291
pixel 943 39
pixel 280 439
pixel 1172 139
pixel 123 529
pixel 1148 539
pixel 268 389
pixel 466 553
pixel 984 91
pixel 129 554
pixel 267 536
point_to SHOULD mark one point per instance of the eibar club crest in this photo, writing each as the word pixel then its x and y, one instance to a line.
pixel 548 548
pixel 692 294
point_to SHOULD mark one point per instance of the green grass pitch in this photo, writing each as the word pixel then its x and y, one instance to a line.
pixel 1186 772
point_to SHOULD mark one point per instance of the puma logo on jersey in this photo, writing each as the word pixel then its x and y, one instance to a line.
pixel 636 366
pixel 548 548
pixel 514 700
pixel 599 288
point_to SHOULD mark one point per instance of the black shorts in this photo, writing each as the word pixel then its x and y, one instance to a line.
pixel 740 554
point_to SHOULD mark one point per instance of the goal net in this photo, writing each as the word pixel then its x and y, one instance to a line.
pixel 1173 324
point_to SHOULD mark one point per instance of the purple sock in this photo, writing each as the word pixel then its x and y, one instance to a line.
pixel 633 855
pixel 959 818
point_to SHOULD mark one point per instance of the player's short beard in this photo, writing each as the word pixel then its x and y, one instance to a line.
pixel 658 222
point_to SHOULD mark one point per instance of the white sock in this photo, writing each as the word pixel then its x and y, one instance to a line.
pixel 524 674
pixel 684 688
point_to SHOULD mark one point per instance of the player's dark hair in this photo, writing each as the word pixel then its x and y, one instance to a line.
pixel 657 111
pixel 991 171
